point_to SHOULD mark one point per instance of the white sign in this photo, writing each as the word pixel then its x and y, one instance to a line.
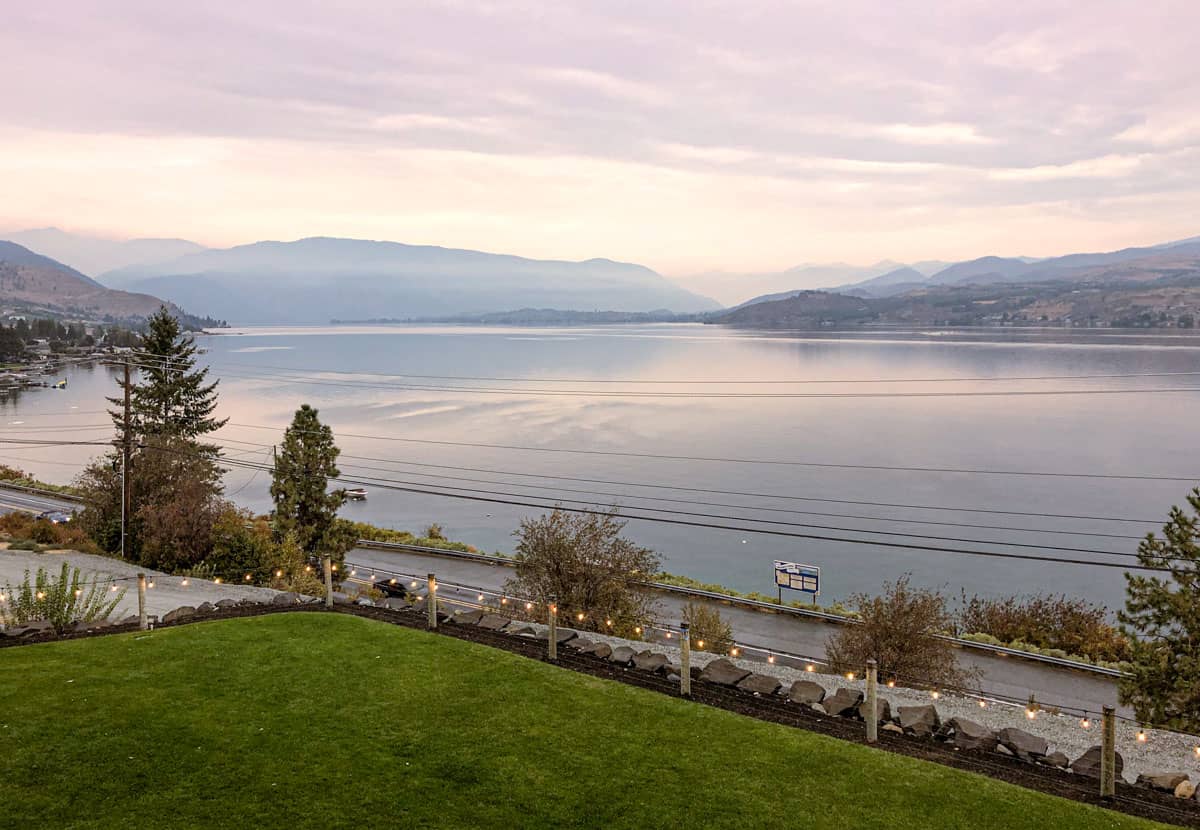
pixel 798 577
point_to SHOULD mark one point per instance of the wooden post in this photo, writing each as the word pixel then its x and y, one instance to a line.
pixel 328 582
pixel 431 601
pixel 552 639
pixel 872 714
pixel 1108 753
pixel 142 623
pixel 685 660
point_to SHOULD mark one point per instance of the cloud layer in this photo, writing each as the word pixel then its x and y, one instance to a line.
pixel 686 135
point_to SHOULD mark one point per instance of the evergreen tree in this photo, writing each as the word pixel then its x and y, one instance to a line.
pixel 171 398
pixel 1162 617
pixel 304 505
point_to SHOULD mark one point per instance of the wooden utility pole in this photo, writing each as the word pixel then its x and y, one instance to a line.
pixel 872 713
pixel 1108 753
pixel 685 659
pixel 126 454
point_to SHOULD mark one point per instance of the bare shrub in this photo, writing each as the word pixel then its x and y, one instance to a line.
pixel 899 629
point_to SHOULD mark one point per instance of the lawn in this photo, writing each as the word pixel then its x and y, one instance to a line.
pixel 327 720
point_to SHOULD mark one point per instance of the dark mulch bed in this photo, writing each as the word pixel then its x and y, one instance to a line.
pixel 1129 799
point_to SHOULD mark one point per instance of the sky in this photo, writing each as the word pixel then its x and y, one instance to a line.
pixel 690 136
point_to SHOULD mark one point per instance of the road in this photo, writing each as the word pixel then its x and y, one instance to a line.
pixel 1007 677
pixel 1002 676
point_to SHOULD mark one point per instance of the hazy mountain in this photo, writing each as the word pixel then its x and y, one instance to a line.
pixel 35 284
pixel 885 285
pixel 94 255
pixel 317 279
pixel 732 288
pixel 983 270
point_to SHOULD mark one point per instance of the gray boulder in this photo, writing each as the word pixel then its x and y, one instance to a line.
pixel 883 711
pixel 520 629
pixel 1089 763
pixel 562 635
pixel 1057 759
pixel 1003 750
pixel 287 598
pixel 468 617
pixel 891 727
pixel 366 602
pixel 649 660
pixel 972 736
pixel 247 602
pixel 178 614
pixel 1163 781
pixel 806 692
pixel 760 684
pixel 492 622
pixel 581 644
pixel 843 703
pixel 232 603
pixel 622 655
pixel 1024 745
pixel 724 672
pixel 919 720
pixel 205 608
pixel 391 603
pixel 601 650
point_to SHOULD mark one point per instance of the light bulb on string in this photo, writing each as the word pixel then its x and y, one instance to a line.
pixel 733 652
pixel 1085 723
pixel 1141 736
pixel 891 684
pixel 699 644
pixel 849 675
pixel 810 667
pixel 770 658
pixel 935 694
pixel 183 583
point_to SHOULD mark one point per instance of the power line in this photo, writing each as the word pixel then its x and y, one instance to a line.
pixel 764 461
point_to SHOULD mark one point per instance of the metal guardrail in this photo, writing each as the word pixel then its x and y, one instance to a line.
pixel 759 605
pixel 54 494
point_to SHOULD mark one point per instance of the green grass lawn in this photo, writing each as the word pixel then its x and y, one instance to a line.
pixel 326 720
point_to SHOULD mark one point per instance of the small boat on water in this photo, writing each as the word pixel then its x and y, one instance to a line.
pixel 357 494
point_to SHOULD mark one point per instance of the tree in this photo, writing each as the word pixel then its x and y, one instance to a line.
pixel 708 631
pixel 581 561
pixel 1162 618
pixel 172 397
pixel 304 505
pixel 899 630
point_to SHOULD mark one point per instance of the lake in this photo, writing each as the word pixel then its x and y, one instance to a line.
pixel 651 390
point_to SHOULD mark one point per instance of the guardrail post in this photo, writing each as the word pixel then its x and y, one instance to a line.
pixel 1108 753
pixel 552 632
pixel 328 563
pixel 431 601
pixel 142 623
pixel 872 715
pixel 685 659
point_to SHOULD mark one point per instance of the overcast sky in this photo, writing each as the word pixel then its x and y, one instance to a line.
pixel 681 134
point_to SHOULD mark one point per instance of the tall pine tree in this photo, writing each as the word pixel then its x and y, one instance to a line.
pixel 171 398
pixel 304 505
pixel 1162 616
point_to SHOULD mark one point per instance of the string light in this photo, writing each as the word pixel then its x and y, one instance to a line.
pixel 668 635
pixel 183 583
pixel 247 577
pixel 333 567
pixel 308 569
pixel 1141 736
pixel 608 623
pixel 481 597
pixel 529 606
pixel 1197 750
pixel 217 580
pixel 1085 723
pixel 373 577
pixel 353 572
pixel 770 658
pixel 891 684
pixel 637 629
pixel 151 584
pixel 700 644
pixel 810 667
pixel 113 589
pixel 504 600
pixel 935 694
pixel 413 584
pixel 982 704
pixel 78 592
pixel 278 574
pixel 849 675
pixel 579 617
pixel 733 652
pixel 41 595
pixel 1031 713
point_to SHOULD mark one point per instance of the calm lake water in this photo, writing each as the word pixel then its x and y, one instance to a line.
pixel 381 421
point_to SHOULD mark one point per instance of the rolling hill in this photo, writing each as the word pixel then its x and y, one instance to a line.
pixel 95 255
pixel 317 279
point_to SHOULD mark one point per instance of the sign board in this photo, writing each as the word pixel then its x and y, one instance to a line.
pixel 798 577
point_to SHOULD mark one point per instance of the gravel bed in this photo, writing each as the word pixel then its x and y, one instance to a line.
pixel 1162 751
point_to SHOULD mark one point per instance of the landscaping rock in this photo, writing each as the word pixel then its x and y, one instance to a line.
pixel 520 630
pixel 1003 750
pixel 818 707
pixel 724 672
pixel 205 608
pixel 581 644
pixel 391 603
pixel 130 620
pixel 622 655
pixel 669 669
pixel 806 692
pixel 649 660
pixel 468 617
pixel 919 720
pixel 564 635
pixel 1164 781
pixel 760 684
pixel 288 598
pixel 1186 789
pixel 843 703
pixel 601 650
pixel 232 603
pixel 366 602
pixel 972 736
pixel 1089 763
pixel 493 622
pixel 883 711
pixel 891 727
pixel 179 613
pixel 1057 759
pixel 1024 745
pixel 247 603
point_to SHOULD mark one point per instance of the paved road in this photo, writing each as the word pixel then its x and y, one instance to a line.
pixel 1002 676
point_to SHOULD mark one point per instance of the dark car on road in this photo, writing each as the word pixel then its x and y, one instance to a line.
pixel 58 517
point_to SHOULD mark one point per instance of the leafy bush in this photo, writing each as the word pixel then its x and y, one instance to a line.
pixel 63 601
pixel 362 530
pixel 24 544
pixel 44 532
pixel 709 632
pixel 899 630
pixel 1070 625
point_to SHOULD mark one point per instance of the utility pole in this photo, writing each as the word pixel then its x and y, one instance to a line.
pixel 126 454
